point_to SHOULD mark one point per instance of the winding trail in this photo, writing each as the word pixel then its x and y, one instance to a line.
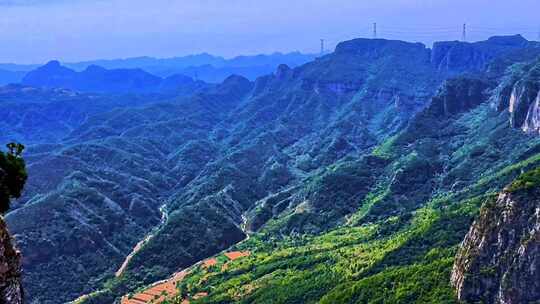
pixel 148 237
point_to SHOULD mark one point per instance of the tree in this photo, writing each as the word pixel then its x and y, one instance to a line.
pixel 15 149
pixel 12 175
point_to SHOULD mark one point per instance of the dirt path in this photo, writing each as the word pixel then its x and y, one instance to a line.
pixel 140 244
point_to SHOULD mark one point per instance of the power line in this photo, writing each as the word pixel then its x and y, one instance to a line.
pixel 465 32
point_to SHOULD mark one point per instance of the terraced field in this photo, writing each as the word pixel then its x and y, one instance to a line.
pixel 163 291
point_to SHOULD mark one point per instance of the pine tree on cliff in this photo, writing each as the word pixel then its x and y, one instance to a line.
pixel 12 175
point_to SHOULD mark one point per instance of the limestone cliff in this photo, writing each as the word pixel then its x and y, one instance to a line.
pixel 10 269
pixel 520 95
pixel 456 57
pixel 524 106
pixel 499 259
pixel 12 179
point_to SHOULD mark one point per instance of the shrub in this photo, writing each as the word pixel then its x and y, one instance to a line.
pixel 12 175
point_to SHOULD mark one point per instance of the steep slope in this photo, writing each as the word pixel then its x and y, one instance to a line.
pixel 457 57
pixel 499 260
pixel 522 97
pixel 12 180
pixel 100 80
pixel 46 116
pixel 301 116
pixel 10 269
pixel 105 191
pixel 304 127
pixel 398 241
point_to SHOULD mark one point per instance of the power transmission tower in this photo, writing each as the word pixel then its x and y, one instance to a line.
pixel 464 34
pixel 322 47
pixel 374 30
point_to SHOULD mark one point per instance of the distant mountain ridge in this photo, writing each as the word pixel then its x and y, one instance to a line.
pixel 203 66
pixel 293 58
pixel 100 80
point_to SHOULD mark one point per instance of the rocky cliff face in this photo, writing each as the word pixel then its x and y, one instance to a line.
pixel 520 94
pixel 458 95
pixel 524 108
pixel 455 57
pixel 10 269
pixel 499 259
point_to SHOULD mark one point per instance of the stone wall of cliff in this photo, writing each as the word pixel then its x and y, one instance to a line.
pixel 11 291
pixel 499 259
pixel 520 95
pixel 12 179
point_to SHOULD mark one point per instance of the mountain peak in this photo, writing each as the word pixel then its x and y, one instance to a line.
pixel 53 63
pixel 282 71
pixel 235 79
pixel 96 78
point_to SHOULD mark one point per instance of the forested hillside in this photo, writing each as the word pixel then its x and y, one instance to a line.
pixel 356 176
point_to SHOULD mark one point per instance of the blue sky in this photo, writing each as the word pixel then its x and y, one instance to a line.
pixel 34 31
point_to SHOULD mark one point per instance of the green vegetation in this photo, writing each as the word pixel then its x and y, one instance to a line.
pixel 12 175
pixel 413 202
pixel 399 260
pixel 526 181
pixel 351 192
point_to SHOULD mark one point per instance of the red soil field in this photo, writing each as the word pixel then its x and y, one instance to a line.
pixel 157 293
pixel 162 291
pixel 236 254
pixel 210 262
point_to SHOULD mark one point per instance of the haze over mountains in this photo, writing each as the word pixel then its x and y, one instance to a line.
pixel 100 80
pixel 205 67
pixel 354 172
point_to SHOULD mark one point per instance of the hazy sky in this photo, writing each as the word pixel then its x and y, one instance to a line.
pixel 34 31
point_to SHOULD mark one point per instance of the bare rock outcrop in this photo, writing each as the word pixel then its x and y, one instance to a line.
pixel 520 95
pixel 11 291
pixel 499 259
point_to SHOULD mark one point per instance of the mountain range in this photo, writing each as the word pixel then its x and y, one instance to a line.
pixel 205 67
pixel 352 178
pixel 100 80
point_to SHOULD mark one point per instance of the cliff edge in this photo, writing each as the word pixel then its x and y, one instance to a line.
pixel 11 291
pixel 499 259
